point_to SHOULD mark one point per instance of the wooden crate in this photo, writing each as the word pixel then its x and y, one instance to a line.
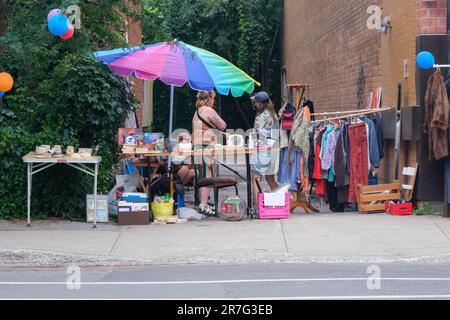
pixel 373 198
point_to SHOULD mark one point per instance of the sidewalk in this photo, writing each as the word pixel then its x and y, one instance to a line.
pixel 322 238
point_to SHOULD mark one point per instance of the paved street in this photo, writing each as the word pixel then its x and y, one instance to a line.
pixel 262 281
pixel 324 238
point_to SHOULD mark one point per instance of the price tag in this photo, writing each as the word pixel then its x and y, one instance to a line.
pixel 62 161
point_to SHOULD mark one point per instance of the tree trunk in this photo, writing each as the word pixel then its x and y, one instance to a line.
pixel 2 16
pixel 264 69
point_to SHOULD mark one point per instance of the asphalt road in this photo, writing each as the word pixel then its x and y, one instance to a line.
pixel 268 281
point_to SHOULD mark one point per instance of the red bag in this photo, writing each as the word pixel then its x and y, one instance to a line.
pixel 287 119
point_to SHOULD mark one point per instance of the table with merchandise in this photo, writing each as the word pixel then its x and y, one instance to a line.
pixel 37 163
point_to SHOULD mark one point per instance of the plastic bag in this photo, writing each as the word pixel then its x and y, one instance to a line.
pixel 189 214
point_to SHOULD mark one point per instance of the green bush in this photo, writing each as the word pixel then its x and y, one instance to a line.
pixel 82 104
pixel 61 96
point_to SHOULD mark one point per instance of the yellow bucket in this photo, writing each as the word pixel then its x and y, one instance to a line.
pixel 162 210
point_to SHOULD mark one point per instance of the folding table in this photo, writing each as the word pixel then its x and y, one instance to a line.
pixel 36 164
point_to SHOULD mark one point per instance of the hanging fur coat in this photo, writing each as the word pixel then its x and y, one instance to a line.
pixel 436 117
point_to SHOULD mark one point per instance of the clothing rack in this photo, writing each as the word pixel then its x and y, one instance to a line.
pixel 299 93
pixel 341 112
pixel 348 114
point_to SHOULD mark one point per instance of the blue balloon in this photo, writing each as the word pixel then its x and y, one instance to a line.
pixel 2 94
pixel 425 60
pixel 58 25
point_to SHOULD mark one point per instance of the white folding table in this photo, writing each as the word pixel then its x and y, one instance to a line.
pixel 37 164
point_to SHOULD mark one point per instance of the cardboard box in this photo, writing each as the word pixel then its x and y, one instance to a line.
pixel 135 197
pixel 134 218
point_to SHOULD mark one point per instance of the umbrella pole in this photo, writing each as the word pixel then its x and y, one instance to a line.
pixel 172 92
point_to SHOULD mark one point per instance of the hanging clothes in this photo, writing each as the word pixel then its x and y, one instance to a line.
pixel 374 151
pixel 346 143
pixel 312 152
pixel 317 173
pixel 328 154
pixel 300 135
pixel 284 134
pixel 284 172
pixel 295 177
pixel 380 137
pixel 342 178
pixel 436 117
pixel 359 172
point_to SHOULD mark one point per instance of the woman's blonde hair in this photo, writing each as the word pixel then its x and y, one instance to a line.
pixel 203 98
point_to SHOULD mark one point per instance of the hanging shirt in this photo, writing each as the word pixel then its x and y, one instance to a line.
pixel 325 140
pixel 374 150
pixel 329 153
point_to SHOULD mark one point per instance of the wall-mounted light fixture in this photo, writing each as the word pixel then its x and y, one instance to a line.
pixel 385 24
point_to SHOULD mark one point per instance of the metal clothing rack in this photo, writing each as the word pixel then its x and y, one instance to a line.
pixel 438 66
pixel 299 93
pixel 347 114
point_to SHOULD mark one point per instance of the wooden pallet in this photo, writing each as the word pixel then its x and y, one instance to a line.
pixel 372 199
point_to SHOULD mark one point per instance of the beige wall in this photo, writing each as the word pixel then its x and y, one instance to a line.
pixel 398 45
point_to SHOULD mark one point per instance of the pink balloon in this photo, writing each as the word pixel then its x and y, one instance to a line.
pixel 52 13
pixel 68 34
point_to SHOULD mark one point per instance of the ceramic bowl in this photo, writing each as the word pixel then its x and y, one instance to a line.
pixel 70 151
pixel 57 149
pixel 41 150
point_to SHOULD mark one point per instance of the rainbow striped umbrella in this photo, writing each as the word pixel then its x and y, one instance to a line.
pixel 176 63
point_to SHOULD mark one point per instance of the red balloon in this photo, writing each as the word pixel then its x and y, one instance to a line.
pixel 69 34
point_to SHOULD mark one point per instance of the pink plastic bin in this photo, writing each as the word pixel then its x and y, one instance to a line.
pixel 271 212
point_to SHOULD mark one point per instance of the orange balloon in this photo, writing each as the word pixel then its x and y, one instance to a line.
pixel 6 82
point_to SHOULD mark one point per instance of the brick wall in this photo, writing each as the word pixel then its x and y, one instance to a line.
pixel 135 39
pixel 327 44
pixel 431 17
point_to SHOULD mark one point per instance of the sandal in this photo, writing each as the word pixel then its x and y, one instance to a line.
pixel 207 210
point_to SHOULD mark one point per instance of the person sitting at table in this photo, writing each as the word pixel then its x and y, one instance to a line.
pixel 182 169
pixel 265 163
pixel 205 121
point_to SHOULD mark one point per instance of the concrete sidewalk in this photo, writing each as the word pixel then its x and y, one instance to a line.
pixel 322 238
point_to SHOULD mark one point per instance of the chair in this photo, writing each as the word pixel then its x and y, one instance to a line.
pixel 216 182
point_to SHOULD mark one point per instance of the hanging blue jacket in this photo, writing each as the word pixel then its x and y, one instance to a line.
pixel 374 151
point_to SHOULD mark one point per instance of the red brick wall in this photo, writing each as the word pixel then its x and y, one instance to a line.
pixel 432 17
pixel 327 44
pixel 135 39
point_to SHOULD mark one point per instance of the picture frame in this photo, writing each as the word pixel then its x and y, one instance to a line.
pixel 102 208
